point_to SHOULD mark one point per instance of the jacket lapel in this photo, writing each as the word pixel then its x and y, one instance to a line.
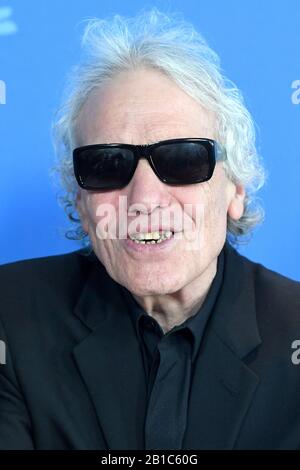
pixel 110 362
pixel 223 386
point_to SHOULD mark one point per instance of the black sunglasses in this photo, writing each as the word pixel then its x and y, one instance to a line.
pixel 175 162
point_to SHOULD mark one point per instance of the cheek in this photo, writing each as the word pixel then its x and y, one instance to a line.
pixel 102 225
pixel 204 206
pixel 99 214
pixel 216 200
pixel 88 212
pixel 97 206
pixel 213 202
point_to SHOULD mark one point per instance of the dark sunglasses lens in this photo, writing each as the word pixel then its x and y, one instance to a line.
pixel 103 168
pixel 184 162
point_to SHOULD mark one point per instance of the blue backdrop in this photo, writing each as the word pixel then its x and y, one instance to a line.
pixel 39 40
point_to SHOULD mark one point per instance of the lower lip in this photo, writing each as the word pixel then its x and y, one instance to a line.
pixel 150 247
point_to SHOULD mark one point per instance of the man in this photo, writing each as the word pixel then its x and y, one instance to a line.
pixel 162 336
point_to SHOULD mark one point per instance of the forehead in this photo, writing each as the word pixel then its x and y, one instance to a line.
pixel 139 107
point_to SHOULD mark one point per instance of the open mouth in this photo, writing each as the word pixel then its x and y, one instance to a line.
pixel 151 238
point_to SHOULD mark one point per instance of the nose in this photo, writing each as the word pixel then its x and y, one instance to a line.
pixel 146 190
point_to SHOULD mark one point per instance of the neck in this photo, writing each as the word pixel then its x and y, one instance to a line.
pixel 173 309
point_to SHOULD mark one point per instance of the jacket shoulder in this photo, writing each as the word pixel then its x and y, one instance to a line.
pixel 43 268
pixel 26 284
pixel 277 299
pixel 278 289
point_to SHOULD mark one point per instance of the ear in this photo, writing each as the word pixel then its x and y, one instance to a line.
pixel 81 209
pixel 236 204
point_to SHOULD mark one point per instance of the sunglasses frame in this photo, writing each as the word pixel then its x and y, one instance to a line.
pixel 217 153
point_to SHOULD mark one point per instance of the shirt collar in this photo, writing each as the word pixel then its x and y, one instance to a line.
pixel 195 324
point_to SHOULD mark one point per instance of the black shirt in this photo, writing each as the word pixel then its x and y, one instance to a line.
pixel 168 361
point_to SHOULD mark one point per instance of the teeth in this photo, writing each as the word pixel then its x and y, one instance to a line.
pixel 151 237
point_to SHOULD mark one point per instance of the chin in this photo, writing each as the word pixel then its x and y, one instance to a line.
pixel 157 287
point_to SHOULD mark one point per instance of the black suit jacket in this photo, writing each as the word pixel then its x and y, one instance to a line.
pixel 74 375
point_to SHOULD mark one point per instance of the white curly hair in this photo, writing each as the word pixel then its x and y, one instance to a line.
pixel 167 43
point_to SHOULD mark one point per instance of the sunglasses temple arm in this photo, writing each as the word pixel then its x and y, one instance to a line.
pixel 220 152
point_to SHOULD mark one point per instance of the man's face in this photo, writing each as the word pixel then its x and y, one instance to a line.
pixel 143 107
